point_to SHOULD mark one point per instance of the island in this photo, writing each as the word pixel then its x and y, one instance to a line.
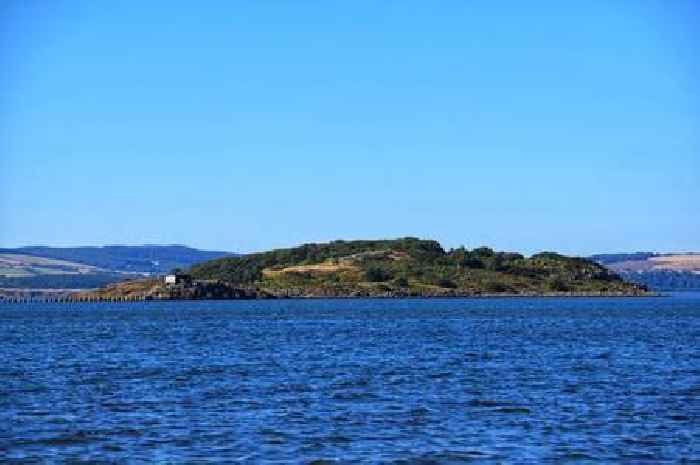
pixel 406 267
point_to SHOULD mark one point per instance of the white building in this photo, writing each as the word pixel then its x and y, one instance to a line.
pixel 177 278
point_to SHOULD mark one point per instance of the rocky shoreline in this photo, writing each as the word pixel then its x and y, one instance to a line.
pixel 151 290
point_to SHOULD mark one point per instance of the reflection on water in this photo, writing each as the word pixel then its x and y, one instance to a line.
pixel 387 381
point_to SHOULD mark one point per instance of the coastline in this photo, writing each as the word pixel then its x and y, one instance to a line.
pixel 135 299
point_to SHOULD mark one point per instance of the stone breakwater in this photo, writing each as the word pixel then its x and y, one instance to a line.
pixel 226 292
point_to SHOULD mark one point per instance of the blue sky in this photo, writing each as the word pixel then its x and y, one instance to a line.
pixel 250 125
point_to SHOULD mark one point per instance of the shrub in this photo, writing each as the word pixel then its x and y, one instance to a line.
pixel 496 287
pixel 558 284
pixel 377 275
pixel 446 283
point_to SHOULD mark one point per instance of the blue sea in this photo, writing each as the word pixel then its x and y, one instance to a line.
pixel 479 381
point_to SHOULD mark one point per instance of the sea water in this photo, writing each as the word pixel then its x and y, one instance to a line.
pixel 512 380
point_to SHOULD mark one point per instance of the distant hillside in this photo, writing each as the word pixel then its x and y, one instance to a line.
pixel 610 258
pixel 661 272
pixel 386 268
pixel 89 267
pixel 125 258
pixel 664 280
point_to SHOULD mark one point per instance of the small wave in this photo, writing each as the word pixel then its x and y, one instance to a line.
pixel 441 375
pixel 272 436
pixel 521 410
pixel 486 403
pixel 351 396
pixel 575 457
pixel 446 457
pixel 79 437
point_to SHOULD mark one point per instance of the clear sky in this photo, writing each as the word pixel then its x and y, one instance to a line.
pixel 569 126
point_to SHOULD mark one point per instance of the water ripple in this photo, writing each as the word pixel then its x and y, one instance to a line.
pixel 362 381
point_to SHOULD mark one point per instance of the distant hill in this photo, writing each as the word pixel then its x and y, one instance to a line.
pixel 89 267
pixel 125 258
pixel 610 258
pixel 657 271
pixel 384 268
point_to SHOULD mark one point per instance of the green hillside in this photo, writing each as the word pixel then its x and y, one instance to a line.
pixel 409 266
